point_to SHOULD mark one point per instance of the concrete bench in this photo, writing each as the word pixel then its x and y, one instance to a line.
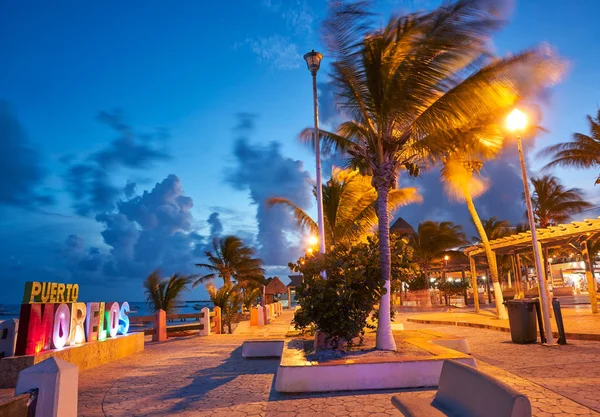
pixel 262 348
pixel 466 392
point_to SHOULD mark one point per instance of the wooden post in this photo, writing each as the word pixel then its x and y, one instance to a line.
pixel 487 285
pixel 463 280
pixel 289 297
pixel 509 279
pixel 474 283
pixel 585 251
pixel 520 276
pixel 545 274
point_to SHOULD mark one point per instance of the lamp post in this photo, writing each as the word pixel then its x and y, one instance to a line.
pixel 516 122
pixel 313 61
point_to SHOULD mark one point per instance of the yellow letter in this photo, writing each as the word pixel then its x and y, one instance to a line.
pixel 36 289
pixel 60 296
pixel 53 292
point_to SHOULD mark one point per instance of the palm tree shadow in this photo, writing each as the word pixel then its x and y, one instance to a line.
pixel 207 383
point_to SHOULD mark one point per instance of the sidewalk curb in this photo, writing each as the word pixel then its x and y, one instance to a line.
pixel 570 336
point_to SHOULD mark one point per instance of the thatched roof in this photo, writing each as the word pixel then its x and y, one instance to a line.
pixel 402 227
pixel 295 280
pixel 275 286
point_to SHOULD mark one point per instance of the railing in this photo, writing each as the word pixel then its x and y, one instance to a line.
pixel 170 317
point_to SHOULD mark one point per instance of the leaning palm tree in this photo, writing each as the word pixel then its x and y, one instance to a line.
pixel 463 181
pixel 163 294
pixel 348 206
pixel 582 152
pixel 231 259
pixel 553 203
pixel 410 87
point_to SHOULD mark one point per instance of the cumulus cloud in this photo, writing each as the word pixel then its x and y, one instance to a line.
pixel 216 228
pixel 22 169
pixel 89 181
pixel 265 172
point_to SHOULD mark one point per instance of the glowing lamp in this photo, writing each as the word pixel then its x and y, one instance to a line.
pixel 313 61
pixel 516 120
pixel 483 278
pixel 62 325
pixel 446 257
pixel 313 240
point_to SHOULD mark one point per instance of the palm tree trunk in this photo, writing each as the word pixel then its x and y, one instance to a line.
pixel 385 338
pixel 491 257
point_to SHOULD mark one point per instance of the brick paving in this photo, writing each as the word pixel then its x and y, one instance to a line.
pixel 208 377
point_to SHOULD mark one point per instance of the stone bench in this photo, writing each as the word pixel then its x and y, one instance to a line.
pixel 465 391
pixel 262 348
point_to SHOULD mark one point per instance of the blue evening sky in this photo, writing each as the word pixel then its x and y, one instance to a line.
pixel 192 67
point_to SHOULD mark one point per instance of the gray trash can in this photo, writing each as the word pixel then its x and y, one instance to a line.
pixel 522 319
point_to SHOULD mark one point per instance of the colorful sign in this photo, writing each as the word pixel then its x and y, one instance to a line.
pixel 51 318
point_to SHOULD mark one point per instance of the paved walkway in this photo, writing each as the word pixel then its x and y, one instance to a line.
pixel 277 329
pixel 207 376
pixel 580 323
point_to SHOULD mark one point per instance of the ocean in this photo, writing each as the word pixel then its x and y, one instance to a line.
pixel 138 308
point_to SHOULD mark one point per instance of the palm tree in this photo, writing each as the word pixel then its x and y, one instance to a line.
pixel 462 180
pixel 409 87
pixel 231 260
pixel 348 206
pixel 553 203
pixel 250 295
pixel 163 294
pixel 229 299
pixel 582 152
pixel 432 241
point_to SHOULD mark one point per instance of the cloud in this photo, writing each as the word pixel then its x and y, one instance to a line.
pixel 89 181
pixel 145 232
pixel 264 172
pixel 276 50
pixel 216 228
pixel 22 170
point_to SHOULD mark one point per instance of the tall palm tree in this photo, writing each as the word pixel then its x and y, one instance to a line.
pixel 553 203
pixel 582 152
pixel 163 294
pixel 348 206
pixel 409 87
pixel 229 299
pixel 232 260
pixel 432 241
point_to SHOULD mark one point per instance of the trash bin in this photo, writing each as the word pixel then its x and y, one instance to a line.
pixel 522 320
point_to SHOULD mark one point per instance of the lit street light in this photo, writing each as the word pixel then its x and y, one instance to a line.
pixel 313 61
pixel 516 122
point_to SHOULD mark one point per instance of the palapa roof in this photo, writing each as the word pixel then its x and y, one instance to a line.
pixel 402 227
pixel 295 280
pixel 275 286
pixel 563 234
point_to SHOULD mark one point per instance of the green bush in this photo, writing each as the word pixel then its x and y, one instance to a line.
pixel 339 306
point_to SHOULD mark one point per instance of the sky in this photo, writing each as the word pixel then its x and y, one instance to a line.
pixel 135 132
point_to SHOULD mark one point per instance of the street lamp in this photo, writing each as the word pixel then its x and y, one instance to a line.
pixel 313 62
pixel 516 122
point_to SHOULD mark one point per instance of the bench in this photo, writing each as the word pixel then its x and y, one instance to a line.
pixel 464 391
pixel 262 348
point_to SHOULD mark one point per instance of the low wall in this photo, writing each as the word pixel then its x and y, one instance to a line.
pixel 85 356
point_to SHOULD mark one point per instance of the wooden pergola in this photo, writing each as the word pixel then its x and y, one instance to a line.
pixel 575 234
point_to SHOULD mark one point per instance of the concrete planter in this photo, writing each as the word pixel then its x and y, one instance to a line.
pixel 297 374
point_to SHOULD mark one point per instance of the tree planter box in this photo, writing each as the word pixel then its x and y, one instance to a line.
pixel 297 374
